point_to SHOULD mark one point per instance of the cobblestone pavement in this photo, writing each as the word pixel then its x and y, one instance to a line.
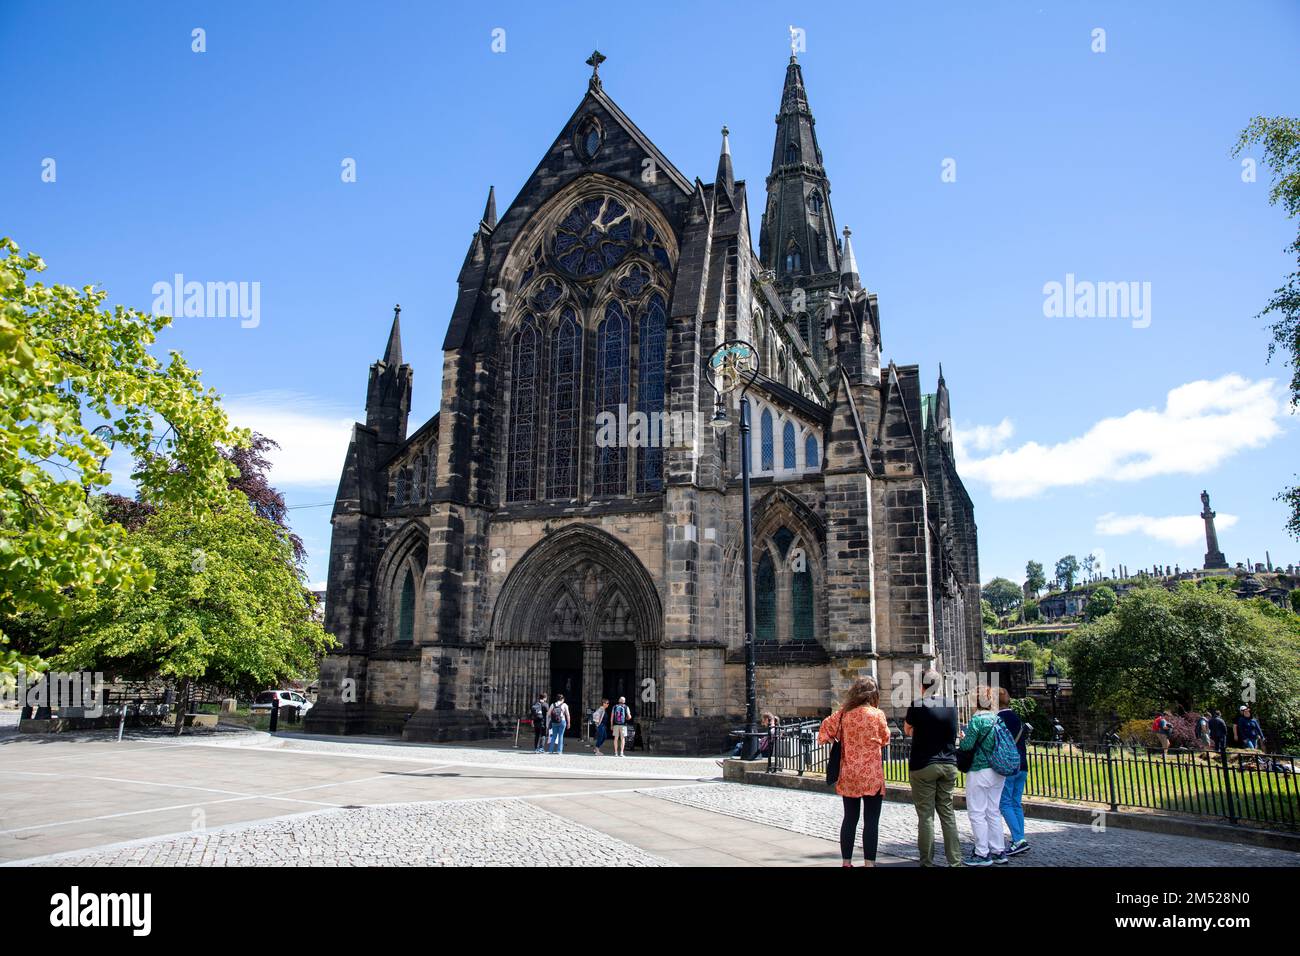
pixel 576 757
pixel 1053 844
pixel 476 833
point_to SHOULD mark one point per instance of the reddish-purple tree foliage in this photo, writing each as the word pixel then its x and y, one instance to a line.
pixel 252 480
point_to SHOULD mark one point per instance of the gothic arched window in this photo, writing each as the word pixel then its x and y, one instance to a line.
pixel 815 202
pixel 792 152
pixel 525 363
pixel 801 604
pixel 651 355
pixel 766 455
pixel 406 610
pixel 403 486
pixel 811 454
pixel 765 600
pixel 566 408
pixel 611 391
pixel 788 447
pixel 793 259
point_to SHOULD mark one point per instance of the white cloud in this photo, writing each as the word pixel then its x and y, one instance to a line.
pixel 1202 424
pixel 1182 530
pixel 982 437
pixel 313 436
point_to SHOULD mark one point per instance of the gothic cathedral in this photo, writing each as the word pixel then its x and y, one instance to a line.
pixel 512 545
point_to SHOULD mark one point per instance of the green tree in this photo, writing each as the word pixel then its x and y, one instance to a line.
pixel 1067 570
pixel 227 606
pixel 1294 597
pixel 987 613
pixel 1035 579
pixel 1029 613
pixel 1279 136
pixel 67 367
pixel 1003 596
pixel 1188 649
pixel 1101 602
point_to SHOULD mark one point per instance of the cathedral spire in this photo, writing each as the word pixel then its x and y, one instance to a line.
pixel 490 210
pixel 849 276
pixel 388 392
pixel 797 237
pixel 393 353
pixel 726 178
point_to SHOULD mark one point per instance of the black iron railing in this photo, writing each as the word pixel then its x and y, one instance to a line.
pixel 1240 787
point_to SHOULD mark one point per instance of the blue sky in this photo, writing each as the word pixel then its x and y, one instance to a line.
pixel 1077 434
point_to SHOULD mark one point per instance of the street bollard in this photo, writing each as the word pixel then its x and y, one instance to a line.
pixel 275 713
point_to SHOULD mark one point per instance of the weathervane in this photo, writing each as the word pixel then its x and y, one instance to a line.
pixel 594 61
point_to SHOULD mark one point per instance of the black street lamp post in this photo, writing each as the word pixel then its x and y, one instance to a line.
pixel 1053 682
pixel 731 364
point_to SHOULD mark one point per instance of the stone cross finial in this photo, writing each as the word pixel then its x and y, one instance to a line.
pixel 594 61
pixel 397 311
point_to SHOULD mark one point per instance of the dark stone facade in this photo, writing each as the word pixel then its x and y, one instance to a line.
pixel 502 549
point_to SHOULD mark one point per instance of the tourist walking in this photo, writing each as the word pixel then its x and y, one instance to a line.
pixel 1013 787
pixel 1248 732
pixel 859 725
pixel 620 718
pixel 983 783
pixel 558 720
pixel 931 722
pixel 538 715
pixel 1218 732
pixel 1164 731
pixel 598 718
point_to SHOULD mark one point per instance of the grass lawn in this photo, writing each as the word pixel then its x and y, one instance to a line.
pixel 1181 783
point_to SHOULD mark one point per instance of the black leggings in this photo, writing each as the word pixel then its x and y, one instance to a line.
pixel 870 826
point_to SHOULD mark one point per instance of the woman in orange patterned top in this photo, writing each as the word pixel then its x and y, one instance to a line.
pixel 860 727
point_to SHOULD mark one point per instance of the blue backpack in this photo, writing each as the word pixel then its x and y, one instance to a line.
pixel 1004 758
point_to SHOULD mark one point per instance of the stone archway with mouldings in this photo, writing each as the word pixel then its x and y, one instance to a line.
pixel 581 611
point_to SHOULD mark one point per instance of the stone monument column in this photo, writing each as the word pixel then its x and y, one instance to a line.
pixel 1213 556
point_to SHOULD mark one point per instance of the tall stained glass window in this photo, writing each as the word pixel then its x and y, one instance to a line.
pixel 801 604
pixel 765 600
pixel 766 454
pixel 612 343
pixel 788 447
pixel 566 408
pixel 651 355
pixel 406 610
pixel 525 363
pixel 811 454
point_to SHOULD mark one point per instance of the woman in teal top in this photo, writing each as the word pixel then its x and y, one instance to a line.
pixel 983 783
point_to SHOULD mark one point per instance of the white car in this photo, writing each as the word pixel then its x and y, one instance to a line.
pixel 289 699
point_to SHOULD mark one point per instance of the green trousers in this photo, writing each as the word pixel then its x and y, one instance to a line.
pixel 932 789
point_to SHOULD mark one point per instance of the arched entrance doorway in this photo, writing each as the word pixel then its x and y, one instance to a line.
pixel 579 615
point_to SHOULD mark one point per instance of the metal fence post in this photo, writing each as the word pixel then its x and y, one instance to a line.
pixel 1227 787
pixel 1110 779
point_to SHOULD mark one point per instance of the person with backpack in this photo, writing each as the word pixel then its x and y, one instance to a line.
pixel 1164 732
pixel 620 716
pixel 931 722
pixel 558 720
pixel 861 730
pixel 537 714
pixel 987 755
pixel 1013 789
pixel 1202 732
pixel 598 718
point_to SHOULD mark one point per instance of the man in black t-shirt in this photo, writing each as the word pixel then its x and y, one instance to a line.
pixel 931 722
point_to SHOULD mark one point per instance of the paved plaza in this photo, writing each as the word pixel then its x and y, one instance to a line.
pixel 245 799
